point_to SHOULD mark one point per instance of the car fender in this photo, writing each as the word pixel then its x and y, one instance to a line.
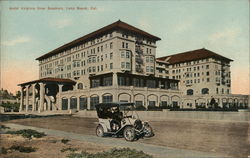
pixel 105 129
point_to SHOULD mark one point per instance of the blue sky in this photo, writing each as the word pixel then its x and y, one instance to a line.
pixel 221 26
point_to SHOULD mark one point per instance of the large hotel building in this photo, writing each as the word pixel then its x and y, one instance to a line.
pixel 118 63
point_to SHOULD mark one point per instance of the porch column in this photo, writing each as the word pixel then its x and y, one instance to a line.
pixel 78 103
pixel 100 99
pixel 69 104
pixel 41 97
pixel 27 98
pixel 33 97
pixel 158 101
pixel 115 81
pixel 21 100
pixel 88 101
pixel 59 96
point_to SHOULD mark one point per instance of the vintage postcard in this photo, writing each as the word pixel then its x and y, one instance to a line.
pixel 129 79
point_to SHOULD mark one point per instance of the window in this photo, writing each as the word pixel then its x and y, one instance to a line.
pixel 151 103
pixel 208 73
pixel 147 59
pixel 123 45
pixel 95 83
pixel 111 55
pixel 126 45
pixel 127 54
pixel 83 103
pixel 123 81
pixel 152 59
pixel 80 86
pixel 127 65
pixel 111 45
pixel 152 69
pixel 93 101
pixel 122 54
pixel 111 66
pixel 207 66
pixel 147 69
pixel 204 91
pixel 93 69
pixel 107 81
pixel 107 99
pixel 190 92
pixel 208 79
pixel 151 84
pixel 123 64
pixel 73 103
pixel 138 103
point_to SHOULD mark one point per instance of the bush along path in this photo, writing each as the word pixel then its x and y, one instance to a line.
pixel 154 150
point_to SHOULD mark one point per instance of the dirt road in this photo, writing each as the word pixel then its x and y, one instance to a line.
pixel 226 138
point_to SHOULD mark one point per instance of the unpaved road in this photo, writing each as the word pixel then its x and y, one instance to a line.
pixel 223 138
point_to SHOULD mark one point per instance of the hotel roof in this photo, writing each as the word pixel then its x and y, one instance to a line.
pixel 49 80
pixel 192 55
pixel 116 25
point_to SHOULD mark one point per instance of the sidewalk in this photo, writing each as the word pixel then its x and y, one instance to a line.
pixel 156 151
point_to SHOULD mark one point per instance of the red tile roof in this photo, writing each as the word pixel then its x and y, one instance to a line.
pixel 49 79
pixel 192 55
pixel 116 25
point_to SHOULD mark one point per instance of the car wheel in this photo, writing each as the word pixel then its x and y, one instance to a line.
pixel 148 131
pixel 99 131
pixel 129 133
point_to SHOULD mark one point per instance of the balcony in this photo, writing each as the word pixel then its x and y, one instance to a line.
pixel 139 60
pixel 140 70
pixel 138 50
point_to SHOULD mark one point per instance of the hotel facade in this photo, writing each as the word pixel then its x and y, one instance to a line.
pixel 118 63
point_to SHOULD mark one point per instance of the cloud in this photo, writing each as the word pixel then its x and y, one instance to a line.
pixel 17 40
pixel 185 25
pixel 145 24
pixel 228 35
pixel 62 23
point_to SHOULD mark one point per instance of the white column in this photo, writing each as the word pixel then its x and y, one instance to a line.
pixel 27 98
pixel 21 100
pixel 33 97
pixel 115 79
pixel 69 104
pixel 41 97
pixel 78 103
pixel 60 99
pixel 88 101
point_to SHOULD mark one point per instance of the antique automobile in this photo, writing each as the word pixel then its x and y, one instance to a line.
pixel 121 119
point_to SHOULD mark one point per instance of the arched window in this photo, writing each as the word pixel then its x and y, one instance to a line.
pixel 204 91
pixel 80 86
pixel 190 92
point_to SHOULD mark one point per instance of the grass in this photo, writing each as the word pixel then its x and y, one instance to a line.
pixel 28 133
pixel 113 153
pixel 23 148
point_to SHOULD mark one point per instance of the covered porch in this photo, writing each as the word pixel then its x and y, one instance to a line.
pixel 41 95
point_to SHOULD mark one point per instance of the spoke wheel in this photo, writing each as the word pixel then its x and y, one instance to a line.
pixel 99 131
pixel 148 131
pixel 129 133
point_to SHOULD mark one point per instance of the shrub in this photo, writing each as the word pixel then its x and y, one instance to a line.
pixel 154 108
pixel 64 141
pixel 23 149
pixel 69 149
pixel 113 153
pixel 3 150
pixel 28 133
pixel 140 108
pixel 4 127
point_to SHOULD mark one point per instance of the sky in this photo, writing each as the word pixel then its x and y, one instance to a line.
pixel 221 26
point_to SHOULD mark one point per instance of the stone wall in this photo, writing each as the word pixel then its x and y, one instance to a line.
pixel 193 115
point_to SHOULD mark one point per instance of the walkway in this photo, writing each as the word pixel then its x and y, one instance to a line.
pixel 156 151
